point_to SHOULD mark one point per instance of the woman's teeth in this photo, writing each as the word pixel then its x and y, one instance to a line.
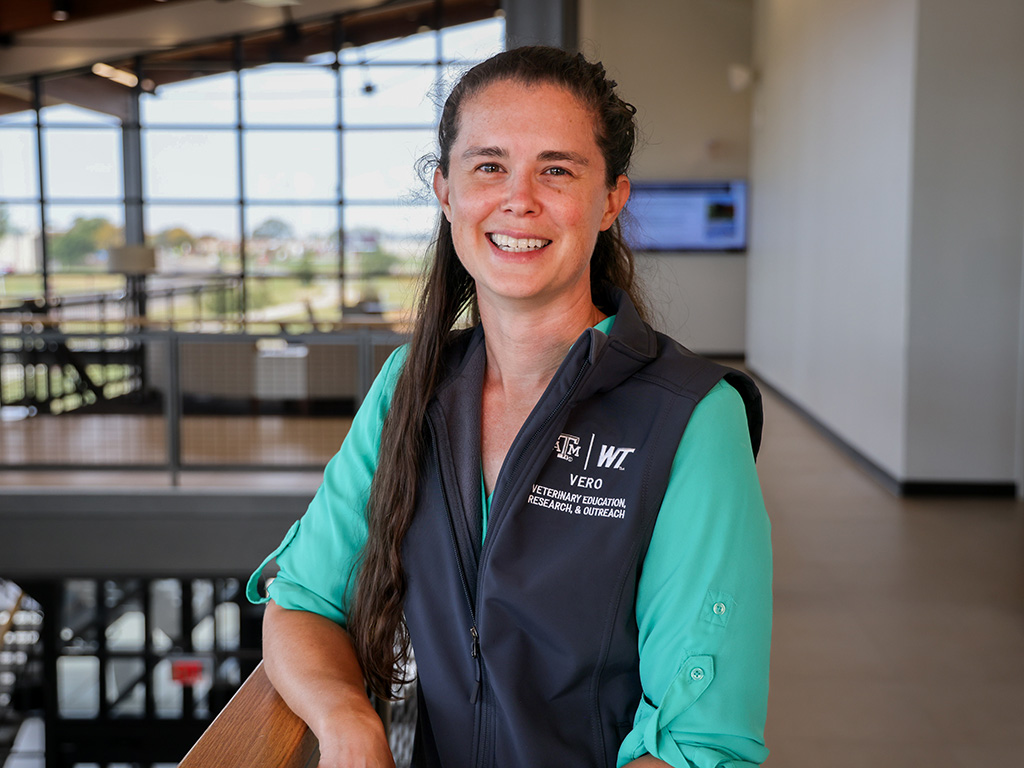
pixel 517 245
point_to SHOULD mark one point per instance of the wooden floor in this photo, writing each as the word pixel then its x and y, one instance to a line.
pixel 899 624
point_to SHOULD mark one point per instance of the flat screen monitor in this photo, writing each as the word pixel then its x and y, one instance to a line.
pixel 687 216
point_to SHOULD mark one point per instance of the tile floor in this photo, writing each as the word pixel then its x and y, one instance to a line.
pixel 899 623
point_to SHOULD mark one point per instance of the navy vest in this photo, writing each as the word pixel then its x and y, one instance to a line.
pixel 526 647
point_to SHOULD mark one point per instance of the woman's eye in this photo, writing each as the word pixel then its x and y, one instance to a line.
pixel 489 168
pixel 556 171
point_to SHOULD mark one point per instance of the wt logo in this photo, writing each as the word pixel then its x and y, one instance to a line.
pixel 613 457
pixel 567 447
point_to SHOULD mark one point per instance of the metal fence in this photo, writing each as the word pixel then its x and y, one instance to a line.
pixel 172 401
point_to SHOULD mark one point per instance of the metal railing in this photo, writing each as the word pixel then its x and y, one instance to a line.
pixel 172 401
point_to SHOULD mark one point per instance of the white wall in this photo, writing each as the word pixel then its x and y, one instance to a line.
pixel 670 59
pixel 885 268
pixel 967 241
pixel 827 312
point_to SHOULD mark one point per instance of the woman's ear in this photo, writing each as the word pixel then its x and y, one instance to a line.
pixel 615 202
pixel 441 192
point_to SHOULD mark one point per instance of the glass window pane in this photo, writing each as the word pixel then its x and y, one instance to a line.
pixel 82 163
pixel 78 632
pixel 126 622
pixel 290 94
pixel 292 240
pixel 88 298
pixel 386 245
pixel 19 290
pixel 420 48
pixel 18 163
pixel 165 614
pixel 202 615
pixel 78 686
pixel 381 165
pixel 166 692
pixel 293 301
pixel 126 687
pixel 388 95
pixel 78 237
pixel 19 239
pixel 228 615
pixel 69 113
pixel 476 41
pixel 190 165
pixel 204 100
pixel 194 239
pixel 291 165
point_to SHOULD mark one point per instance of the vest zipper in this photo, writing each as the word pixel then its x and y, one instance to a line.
pixel 484 757
pixel 474 648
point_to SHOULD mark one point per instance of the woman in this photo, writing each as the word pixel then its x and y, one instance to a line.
pixel 582 585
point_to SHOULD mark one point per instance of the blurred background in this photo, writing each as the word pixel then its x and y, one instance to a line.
pixel 211 225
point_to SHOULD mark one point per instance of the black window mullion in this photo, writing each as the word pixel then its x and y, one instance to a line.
pixel 243 302
pixel 37 103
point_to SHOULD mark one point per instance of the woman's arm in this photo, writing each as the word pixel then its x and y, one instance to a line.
pixel 704 602
pixel 312 663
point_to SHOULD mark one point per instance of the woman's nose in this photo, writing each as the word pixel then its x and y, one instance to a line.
pixel 521 196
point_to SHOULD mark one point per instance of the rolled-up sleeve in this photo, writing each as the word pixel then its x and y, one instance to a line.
pixel 318 558
pixel 704 602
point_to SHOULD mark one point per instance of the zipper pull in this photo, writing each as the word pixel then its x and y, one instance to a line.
pixel 475 652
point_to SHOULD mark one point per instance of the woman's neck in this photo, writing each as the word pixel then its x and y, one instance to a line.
pixel 525 346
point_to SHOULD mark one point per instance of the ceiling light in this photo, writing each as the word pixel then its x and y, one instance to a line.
pixel 273 3
pixel 126 79
pixel 60 10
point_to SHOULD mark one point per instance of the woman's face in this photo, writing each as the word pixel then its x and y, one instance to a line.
pixel 526 194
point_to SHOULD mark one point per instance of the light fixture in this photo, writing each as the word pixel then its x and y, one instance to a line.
pixel 126 79
pixel 59 10
pixel 740 77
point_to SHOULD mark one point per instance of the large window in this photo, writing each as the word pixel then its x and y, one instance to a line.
pixel 285 185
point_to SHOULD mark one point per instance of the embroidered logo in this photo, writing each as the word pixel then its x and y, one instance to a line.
pixel 612 457
pixel 567 447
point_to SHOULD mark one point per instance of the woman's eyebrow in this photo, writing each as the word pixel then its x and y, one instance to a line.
pixel 563 156
pixel 484 152
pixel 547 156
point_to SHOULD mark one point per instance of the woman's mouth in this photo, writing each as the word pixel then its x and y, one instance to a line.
pixel 517 244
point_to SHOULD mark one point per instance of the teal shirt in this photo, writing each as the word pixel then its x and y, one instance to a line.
pixel 703 604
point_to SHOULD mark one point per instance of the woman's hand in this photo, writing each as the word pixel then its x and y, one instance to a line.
pixel 312 663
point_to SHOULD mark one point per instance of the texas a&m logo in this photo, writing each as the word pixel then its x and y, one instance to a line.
pixel 567 447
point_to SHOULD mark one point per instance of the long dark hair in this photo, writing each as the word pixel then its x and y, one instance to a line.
pixel 376 622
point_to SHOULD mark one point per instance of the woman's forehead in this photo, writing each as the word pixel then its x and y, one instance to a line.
pixel 513 109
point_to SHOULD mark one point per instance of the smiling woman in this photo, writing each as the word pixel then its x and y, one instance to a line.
pixel 627 624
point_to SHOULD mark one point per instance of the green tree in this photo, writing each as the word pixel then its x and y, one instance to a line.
pixel 85 237
pixel 175 238
pixel 377 261
pixel 273 229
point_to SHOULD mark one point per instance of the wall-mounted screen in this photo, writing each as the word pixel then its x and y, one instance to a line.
pixel 687 216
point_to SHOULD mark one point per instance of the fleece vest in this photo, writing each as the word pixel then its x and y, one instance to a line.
pixel 526 645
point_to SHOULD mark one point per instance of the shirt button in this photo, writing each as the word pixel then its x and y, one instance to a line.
pixel 697 673
pixel 719 609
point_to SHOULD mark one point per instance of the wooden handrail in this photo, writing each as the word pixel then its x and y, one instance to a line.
pixel 255 730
